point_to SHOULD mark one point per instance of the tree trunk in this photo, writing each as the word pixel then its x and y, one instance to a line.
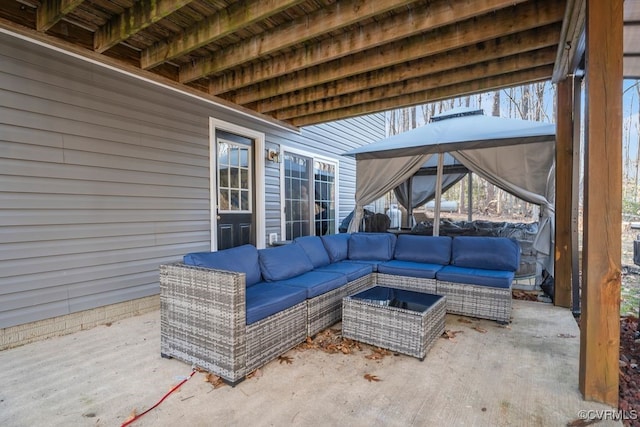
pixel 526 94
pixel 496 104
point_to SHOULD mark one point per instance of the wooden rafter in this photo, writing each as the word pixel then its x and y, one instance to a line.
pixel 470 32
pixel 510 64
pixel 212 28
pixel 140 16
pixel 433 15
pixel 467 88
pixel 51 12
pixel 506 46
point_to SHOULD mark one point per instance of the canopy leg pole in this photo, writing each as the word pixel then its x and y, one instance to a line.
pixel 470 197
pixel 436 214
pixel 409 219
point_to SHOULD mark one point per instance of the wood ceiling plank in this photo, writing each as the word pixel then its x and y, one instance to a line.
pixel 143 14
pixel 511 64
pixel 340 15
pixel 489 27
pixel 506 46
pixel 52 11
pixel 214 27
pixel 462 89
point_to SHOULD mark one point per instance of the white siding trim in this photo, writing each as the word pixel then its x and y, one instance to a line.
pixel 259 154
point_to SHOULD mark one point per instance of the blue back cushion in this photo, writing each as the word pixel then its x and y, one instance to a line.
pixel 372 246
pixel 313 247
pixel 283 262
pixel 489 253
pixel 243 259
pixel 337 246
pixel 428 249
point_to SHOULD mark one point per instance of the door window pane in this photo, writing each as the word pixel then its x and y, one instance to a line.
pixel 234 177
pixel 324 184
pixel 297 195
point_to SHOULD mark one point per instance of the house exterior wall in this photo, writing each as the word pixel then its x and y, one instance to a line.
pixel 104 176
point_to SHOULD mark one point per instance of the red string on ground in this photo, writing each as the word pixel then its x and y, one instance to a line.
pixel 159 401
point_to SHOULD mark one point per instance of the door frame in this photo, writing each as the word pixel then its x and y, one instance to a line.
pixel 258 171
pixel 313 156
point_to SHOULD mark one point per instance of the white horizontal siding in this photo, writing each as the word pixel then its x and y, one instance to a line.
pixel 103 177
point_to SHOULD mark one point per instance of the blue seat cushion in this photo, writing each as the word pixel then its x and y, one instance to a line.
pixel 476 276
pixel 490 253
pixel 372 246
pixel 409 268
pixel 353 270
pixel 429 249
pixel 316 282
pixel 242 259
pixel 264 299
pixel 283 262
pixel 337 246
pixel 371 262
pixel 313 247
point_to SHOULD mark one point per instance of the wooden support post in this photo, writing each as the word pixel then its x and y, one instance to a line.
pixel 564 174
pixel 600 320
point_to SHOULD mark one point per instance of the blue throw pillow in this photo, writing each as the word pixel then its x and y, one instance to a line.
pixel 337 246
pixel 243 259
pixel 313 247
pixel 427 249
pixel 489 253
pixel 372 246
pixel 283 262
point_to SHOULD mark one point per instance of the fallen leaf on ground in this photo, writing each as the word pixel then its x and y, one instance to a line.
pixel 254 374
pixel 479 329
pixel 285 359
pixel 449 334
pixel 214 380
pixel 463 320
pixel 371 378
pixel 131 416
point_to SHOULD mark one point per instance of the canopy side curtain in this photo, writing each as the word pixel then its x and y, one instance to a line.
pixel 424 189
pixel 376 177
pixel 528 172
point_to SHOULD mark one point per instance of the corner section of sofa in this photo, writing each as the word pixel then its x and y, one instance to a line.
pixel 478 281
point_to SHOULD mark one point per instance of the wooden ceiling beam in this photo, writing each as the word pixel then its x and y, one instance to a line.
pixel 417 98
pixel 511 64
pixel 482 29
pixel 143 14
pixel 340 15
pixel 50 12
pixel 212 28
pixel 334 17
pixel 531 40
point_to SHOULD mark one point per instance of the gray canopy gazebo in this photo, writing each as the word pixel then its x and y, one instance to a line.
pixel 517 156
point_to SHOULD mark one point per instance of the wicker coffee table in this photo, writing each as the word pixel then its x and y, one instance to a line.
pixel 404 321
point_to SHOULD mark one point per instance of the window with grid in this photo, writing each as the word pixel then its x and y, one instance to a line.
pixel 309 196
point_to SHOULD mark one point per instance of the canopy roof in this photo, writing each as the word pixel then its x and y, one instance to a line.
pixel 458 129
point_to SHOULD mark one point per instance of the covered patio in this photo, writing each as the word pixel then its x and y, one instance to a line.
pixel 300 63
pixel 485 375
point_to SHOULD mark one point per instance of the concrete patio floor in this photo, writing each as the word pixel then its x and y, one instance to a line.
pixel 525 375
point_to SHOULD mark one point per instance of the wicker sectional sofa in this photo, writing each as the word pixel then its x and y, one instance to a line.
pixel 232 311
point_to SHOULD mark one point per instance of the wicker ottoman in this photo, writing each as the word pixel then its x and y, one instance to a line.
pixel 400 320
